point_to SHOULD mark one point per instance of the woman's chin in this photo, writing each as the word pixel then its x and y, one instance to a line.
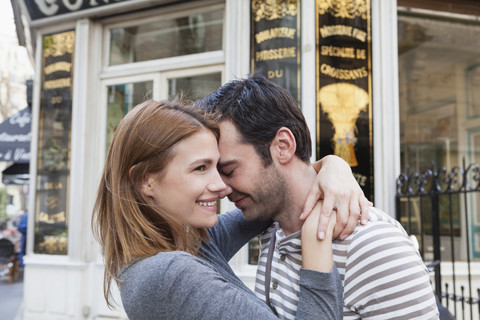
pixel 210 222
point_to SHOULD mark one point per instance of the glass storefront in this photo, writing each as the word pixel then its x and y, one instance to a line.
pixel 439 81
pixel 439 73
pixel 192 88
pixel 167 37
pixel 121 99
pixel 54 145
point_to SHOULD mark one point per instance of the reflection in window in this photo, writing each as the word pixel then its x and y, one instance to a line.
pixel 194 87
pixel 167 37
pixel 54 146
pixel 437 60
pixel 121 99
pixel 253 251
pixel 439 76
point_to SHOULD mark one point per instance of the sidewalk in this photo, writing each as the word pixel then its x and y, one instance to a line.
pixel 11 298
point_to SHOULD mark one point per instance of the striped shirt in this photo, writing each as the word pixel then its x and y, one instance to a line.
pixel 383 274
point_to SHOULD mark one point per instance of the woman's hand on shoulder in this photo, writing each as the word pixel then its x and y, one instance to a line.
pixel 340 192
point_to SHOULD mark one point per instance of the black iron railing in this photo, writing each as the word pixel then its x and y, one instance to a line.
pixel 437 207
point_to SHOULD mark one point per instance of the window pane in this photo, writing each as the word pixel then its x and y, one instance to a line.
pixel 163 38
pixel 439 68
pixel 253 251
pixel 54 145
pixel 121 99
pixel 195 87
pixel 439 72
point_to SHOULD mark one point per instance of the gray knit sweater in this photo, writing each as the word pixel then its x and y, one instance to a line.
pixel 177 285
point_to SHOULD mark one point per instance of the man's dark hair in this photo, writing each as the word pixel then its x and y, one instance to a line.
pixel 258 108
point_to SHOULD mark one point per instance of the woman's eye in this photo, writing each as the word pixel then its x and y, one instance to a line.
pixel 201 168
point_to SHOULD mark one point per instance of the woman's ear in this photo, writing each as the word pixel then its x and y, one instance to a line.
pixel 283 145
pixel 147 185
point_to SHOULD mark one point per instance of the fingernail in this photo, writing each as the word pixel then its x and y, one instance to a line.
pixel 343 236
pixel 364 221
pixel 321 235
pixel 301 216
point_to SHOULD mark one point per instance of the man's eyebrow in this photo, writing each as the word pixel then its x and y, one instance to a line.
pixel 222 164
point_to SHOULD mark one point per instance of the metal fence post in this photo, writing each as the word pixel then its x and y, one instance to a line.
pixel 436 232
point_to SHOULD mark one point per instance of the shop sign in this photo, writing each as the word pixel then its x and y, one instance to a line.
pixel 344 77
pixel 53 162
pixel 39 9
pixel 275 42
pixel 15 137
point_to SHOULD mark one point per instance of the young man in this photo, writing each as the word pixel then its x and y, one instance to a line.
pixel 265 151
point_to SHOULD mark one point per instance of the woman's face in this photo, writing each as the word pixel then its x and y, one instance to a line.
pixel 190 184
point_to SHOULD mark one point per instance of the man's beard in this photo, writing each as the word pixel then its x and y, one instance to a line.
pixel 268 197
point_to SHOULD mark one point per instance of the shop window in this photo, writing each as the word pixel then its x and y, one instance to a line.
pixel 253 251
pixel 439 81
pixel 54 145
pixel 167 37
pixel 192 88
pixel 121 99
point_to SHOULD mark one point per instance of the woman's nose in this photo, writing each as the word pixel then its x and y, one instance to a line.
pixel 217 185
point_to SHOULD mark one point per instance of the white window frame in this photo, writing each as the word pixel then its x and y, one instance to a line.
pixel 186 61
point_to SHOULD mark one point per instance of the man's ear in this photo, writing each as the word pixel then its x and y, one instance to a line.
pixel 283 146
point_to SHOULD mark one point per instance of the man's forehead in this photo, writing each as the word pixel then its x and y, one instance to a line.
pixel 230 140
pixel 229 132
pixel 232 147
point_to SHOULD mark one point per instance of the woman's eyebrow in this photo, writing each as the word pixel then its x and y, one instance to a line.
pixel 201 161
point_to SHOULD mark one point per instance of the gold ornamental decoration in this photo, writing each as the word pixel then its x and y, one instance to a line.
pixel 54 145
pixel 275 46
pixel 343 103
pixel 344 8
pixel 58 44
pixel 344 86
pixel 274 9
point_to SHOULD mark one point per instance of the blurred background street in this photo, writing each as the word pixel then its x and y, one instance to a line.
pixel 11 298
pixel 15 69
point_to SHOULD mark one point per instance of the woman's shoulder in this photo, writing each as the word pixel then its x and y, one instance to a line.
pixel 159 265
pixel 165 258
pixel 145 282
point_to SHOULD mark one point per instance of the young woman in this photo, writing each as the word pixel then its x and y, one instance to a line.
pixel 163 242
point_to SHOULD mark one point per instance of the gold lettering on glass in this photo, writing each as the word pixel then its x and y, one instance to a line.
pixel 275 33
pixel 53 158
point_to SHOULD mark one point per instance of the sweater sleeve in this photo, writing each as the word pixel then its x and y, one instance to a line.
pixel 324 297
pixel 232 232
pixel 180 286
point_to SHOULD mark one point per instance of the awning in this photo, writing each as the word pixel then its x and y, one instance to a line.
pixel 15 137
pixel 17 173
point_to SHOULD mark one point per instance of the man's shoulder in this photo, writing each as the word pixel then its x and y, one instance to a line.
pixel 379 221
pixel 377 215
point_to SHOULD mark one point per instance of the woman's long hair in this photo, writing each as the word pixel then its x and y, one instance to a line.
pixel 128 224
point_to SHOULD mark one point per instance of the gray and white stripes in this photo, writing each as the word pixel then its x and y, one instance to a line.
pixel 383 274
pixel 285 274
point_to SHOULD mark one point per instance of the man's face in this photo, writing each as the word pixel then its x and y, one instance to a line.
pixel 258 191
